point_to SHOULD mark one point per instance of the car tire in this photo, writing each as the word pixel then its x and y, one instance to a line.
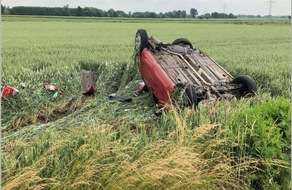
pixel 191 95
pixel 141 40
pixel 182 42
pixel 249 85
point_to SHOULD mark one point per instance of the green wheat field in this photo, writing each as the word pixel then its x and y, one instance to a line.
pixel 88 142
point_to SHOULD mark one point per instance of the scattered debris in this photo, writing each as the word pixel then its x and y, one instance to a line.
pixel 119 98
pixel 50 87
pixel 22 85
pixel 142 85
pixel 142 89
pixel 88 82
pixel 8 91
pixel 55 95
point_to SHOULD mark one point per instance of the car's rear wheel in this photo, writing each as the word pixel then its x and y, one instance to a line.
pixel 182 42
pixel 248 87
pixel 141 40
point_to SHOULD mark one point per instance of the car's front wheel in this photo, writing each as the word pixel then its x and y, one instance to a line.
pixel 141 40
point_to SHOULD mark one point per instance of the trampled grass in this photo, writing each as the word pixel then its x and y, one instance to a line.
pixel 78 142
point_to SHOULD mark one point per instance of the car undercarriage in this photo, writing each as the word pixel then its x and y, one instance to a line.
pixel 179 71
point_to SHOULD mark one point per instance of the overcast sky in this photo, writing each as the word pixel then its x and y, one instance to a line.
pixel 254 7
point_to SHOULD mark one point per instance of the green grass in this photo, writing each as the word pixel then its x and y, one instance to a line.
pixel 78 142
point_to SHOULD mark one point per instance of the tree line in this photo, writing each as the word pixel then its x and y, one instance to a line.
pixel 95 12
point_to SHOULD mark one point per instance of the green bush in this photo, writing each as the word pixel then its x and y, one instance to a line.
pixel 263 131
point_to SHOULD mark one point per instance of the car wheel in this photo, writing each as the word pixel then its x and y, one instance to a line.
pixel 182 42
pixel 141 40
pixel 191 95
pixel 249 85
pixel 184 95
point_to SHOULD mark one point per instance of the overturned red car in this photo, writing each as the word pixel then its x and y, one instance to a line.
pixel 184 74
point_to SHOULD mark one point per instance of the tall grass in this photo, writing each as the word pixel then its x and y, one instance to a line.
pixel 175 156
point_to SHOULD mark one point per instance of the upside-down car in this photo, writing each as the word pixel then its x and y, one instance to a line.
pixel 179 72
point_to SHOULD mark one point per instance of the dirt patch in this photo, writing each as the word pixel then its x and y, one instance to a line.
pixel 52 115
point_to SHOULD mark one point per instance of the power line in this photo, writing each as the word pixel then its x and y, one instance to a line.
pixel 270 7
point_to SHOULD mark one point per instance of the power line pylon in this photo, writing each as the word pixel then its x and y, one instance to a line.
pixel 270 7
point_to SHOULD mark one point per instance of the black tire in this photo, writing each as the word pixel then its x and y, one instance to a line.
pixel 141 40
pixel 192 98
pixel 249 85
pixel 184 95
pixel 182 42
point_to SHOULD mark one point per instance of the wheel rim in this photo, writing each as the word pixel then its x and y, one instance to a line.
pixel 138 41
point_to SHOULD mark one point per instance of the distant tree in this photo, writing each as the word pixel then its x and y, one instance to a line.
pixel 121 13
pixel 214 15
pixel 138 15
pixel 6 10
pixel 152 15
pixel 91 12
pixel 207 15
pixel 160 15
pixel 112 13
pixel 2 9
pixel 230 15
pixel 289 17
pixel 86 11
pixel 42 11
pixel 101 13
pixel 12 12
pixel 171 14
pixel 193 12
pixel 66 11
pixel 223 15
pixel 184 14
pixel 79 11
pixel 57 12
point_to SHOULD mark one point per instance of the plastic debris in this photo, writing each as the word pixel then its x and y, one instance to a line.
pixel 54 89
pixel 142 85
pixel 8 91
pixel 22 85
pixel 119 98
pixel 50 87
pixel 142 89
pixel 55 95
